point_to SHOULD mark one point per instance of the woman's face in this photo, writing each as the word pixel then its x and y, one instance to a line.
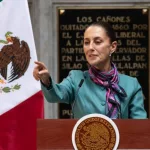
pixel 97 47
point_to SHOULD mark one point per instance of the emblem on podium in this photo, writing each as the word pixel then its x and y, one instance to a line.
pixel 95 132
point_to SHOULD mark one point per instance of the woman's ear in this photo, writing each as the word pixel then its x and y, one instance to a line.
pixel 113 47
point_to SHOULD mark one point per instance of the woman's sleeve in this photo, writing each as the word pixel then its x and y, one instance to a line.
pixel 62 92
pixel 136 105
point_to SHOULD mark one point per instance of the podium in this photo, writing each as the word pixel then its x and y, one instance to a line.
pixel 57 133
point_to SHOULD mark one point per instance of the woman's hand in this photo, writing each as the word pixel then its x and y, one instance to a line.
pixel 40 72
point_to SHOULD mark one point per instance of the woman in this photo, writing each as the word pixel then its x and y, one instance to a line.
pixel 102 89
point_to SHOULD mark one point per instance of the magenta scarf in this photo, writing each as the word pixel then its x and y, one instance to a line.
pixel 109 80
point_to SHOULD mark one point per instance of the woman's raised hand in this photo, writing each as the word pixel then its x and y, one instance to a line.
pixel 40 72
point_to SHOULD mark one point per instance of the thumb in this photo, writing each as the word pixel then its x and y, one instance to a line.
pixel 43 72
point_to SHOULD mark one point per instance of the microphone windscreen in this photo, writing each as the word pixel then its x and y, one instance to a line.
pixel 81 82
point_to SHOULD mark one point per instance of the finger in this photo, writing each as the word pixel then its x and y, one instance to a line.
pixel 36 74
pixel 42 72
pixel 36 77
pixel 40 64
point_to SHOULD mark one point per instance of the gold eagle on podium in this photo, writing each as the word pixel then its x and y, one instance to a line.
pixel 15 52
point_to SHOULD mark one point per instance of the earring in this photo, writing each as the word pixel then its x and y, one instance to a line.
pixel 110 54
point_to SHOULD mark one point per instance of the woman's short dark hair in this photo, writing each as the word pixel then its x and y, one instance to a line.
pixel 108 28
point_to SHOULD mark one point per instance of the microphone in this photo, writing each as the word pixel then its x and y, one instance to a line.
pixel 72 106
pixel 80 84
pixel 118 107
pixel 84 74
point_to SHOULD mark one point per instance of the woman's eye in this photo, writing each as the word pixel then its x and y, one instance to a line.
pixel 86 43
pixel 97 42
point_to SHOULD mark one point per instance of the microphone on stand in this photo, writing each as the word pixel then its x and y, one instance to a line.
pixel 76 94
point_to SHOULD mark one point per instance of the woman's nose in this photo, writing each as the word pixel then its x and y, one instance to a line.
pixel 91 46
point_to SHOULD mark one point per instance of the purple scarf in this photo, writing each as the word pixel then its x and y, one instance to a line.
pixel 109 80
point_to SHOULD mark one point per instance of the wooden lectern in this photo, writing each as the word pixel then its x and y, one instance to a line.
pixel 57 134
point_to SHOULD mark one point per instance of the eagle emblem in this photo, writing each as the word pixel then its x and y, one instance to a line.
pixel 17 54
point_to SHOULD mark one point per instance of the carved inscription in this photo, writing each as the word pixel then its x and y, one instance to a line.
pixel 131 28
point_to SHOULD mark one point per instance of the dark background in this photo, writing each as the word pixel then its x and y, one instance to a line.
pixel 88 16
